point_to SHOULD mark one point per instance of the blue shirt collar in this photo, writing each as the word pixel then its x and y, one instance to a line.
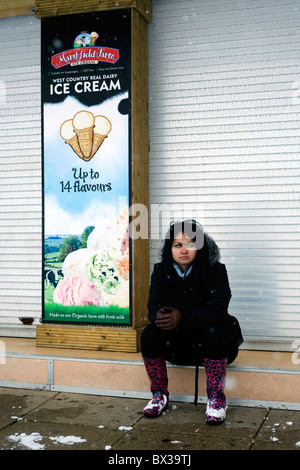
pixel 180 273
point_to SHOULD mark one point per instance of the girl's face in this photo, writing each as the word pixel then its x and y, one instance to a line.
pixel 183 251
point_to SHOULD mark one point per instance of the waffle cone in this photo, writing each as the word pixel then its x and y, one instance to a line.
pixel 75 146
pixel 97 142
pixel 85 141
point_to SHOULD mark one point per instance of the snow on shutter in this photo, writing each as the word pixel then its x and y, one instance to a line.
pixel 20 166
pixel 224 103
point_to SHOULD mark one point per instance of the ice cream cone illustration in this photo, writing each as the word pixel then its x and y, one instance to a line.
pixel 101 130
pixel 85 133
pixel 83 123
pixel 67 132
pixel 94 37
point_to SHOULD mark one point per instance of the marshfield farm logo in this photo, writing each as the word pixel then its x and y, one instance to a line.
pixel 85 52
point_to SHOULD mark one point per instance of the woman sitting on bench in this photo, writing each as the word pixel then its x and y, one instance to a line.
pixel 190 325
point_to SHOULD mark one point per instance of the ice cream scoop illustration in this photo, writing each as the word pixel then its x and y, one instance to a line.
pixel 67 132
pixel 103 271
pixel 83 123
pixel 76 263
pixel 85 133
pixel 77 291
pixel 101 130
pixel 123 265
pixel 94 37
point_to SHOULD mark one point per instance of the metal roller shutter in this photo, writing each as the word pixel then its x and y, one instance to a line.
pixel 224 102
pixel 20 166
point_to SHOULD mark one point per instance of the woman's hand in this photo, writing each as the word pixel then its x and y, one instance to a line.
pixel 168 318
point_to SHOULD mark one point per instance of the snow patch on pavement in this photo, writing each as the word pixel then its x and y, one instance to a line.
pixel 33 441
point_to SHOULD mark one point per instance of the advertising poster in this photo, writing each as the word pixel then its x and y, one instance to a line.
pixel 86 67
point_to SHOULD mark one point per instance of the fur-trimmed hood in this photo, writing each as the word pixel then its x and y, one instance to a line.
pixel 213 249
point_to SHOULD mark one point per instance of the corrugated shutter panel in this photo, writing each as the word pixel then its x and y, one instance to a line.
pixel 20 166
pixel 224 102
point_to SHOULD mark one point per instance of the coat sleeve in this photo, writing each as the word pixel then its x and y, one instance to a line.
pixel 215 307
pixel 153 299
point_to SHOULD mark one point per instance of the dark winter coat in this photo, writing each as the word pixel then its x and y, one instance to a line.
pixel 168 289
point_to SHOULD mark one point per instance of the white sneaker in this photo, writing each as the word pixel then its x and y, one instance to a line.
pixel 214 416
pixel 156 406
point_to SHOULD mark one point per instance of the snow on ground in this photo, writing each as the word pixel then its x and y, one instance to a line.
pixel 32 441
pixel 69 440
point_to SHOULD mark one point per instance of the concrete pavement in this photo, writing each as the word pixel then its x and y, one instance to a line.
pixel 43 420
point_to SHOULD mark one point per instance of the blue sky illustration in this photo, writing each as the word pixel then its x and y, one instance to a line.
pixel 69 213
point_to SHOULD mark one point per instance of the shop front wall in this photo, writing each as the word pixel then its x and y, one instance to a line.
pixel 224 139
pixel 224 143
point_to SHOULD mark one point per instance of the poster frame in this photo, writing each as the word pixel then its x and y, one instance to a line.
pixel 129 176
